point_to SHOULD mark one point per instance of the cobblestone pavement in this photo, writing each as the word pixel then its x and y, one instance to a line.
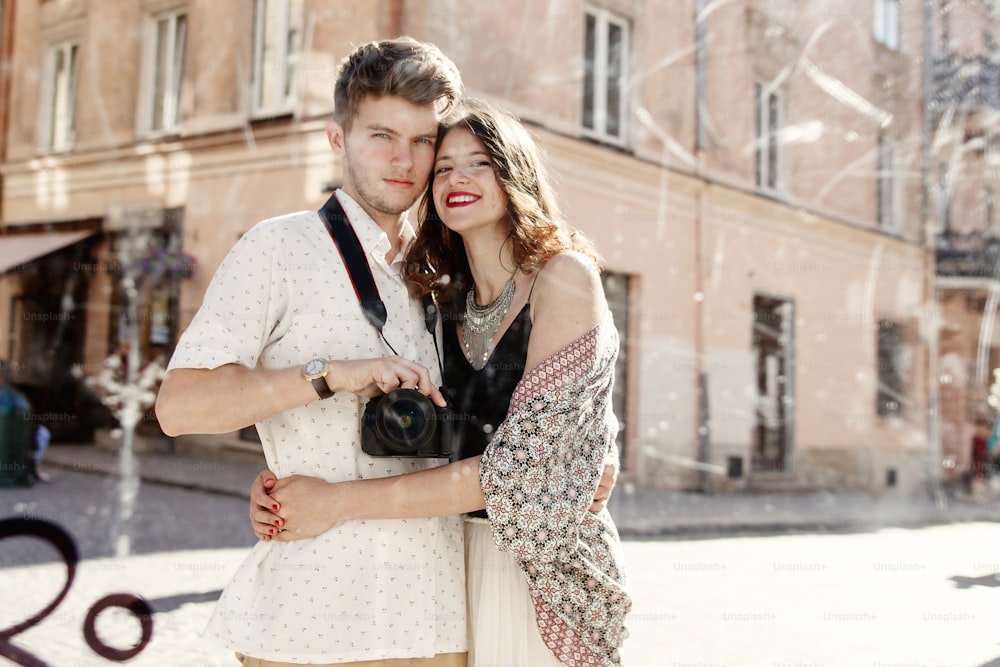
pixel 815 594
pixel 914 597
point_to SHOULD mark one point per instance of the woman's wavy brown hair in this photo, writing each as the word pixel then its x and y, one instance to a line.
pixel 436 261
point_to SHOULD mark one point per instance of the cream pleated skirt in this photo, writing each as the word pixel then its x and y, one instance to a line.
pixel 502 629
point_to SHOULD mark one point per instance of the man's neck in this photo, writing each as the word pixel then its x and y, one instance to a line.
pixel 392 225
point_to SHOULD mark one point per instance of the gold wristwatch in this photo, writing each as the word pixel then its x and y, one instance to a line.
pixel 315 371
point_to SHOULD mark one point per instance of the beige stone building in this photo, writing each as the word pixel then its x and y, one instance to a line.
pixel 754 172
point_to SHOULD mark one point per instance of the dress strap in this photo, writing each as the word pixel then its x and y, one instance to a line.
pixel 532 290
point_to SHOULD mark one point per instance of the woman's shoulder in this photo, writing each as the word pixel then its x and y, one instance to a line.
pixel 568 301
pixel 567 268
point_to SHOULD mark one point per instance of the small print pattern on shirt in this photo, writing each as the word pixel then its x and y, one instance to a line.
pixel 365 590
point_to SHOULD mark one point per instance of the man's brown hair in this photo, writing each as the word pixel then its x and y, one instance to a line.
pixel 415 71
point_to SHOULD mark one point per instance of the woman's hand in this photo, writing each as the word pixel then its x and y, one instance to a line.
pixel 263 518
pixel 606 484
pixel 295 507
pixel 307 507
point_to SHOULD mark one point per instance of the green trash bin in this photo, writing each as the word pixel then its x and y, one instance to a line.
pixel 16 430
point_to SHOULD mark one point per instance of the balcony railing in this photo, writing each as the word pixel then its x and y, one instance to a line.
pixel 965 83
pixel 969 255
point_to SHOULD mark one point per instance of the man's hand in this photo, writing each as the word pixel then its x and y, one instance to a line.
pixel 371 377
pixel 606 485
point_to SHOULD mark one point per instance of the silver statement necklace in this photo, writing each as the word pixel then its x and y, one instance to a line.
pixel 481 323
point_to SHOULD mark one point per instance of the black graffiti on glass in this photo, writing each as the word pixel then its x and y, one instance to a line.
pixel 64 544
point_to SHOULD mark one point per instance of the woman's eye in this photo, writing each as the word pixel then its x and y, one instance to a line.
pixel 442 170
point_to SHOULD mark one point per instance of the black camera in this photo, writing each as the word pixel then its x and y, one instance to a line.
pixel 404 422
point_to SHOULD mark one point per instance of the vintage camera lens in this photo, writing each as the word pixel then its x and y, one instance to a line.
pixel 405 420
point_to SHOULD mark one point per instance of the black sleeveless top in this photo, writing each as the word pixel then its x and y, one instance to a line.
pixel 481 398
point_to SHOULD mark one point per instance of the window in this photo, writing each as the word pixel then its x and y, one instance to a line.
pixel 606 47
pixel 988 211
pixel 893 369
pixel 166 37
pixel 59 96
pixel 767 115
pixel 616 290
pixel 773 335
pixel 944 199
pixel 886 181
pixel 886 25
pixel 277 46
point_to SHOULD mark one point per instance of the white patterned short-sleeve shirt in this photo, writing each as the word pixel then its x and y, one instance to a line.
pixel 364 590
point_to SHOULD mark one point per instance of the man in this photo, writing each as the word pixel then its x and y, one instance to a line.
pixel 281 341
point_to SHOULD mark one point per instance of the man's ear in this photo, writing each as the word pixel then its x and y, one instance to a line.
pixel 337 137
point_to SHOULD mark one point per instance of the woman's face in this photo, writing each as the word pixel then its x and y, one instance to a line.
pixel 466 191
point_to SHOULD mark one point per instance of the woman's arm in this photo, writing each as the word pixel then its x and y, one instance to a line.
pixel 308 506
pixel 567 302
pixel 266 512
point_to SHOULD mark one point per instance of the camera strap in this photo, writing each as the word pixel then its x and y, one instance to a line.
pixel 351 251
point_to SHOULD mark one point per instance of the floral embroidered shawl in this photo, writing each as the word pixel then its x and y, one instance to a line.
pixel 539 474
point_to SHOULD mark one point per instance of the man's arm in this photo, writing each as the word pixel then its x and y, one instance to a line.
pixel 227 398
pixel 231 397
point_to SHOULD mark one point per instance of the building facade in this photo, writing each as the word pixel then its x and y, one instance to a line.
pixel 754 172
pixel 963 178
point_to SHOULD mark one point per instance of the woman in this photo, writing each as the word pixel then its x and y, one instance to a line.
pixel 529 368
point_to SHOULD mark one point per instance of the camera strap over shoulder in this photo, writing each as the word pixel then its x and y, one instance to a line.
pixel 353 254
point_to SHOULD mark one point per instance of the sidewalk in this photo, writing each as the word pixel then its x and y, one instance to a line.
pixel 637 515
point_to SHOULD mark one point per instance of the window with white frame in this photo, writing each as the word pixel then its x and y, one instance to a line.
pixel 885 178
pixel 59 96
pixel 277 47
pixel 163 71
pixel 606 49
pixel 886 24
pixel 767 130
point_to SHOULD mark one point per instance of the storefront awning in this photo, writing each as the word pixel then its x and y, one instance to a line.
pixel 19 249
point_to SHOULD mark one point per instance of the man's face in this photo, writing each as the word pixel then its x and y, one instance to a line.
pixel 389 151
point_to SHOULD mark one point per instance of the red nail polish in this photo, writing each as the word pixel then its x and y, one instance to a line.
pixel 274 506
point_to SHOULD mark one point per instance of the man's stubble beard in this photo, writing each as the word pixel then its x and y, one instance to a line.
pixel 371 195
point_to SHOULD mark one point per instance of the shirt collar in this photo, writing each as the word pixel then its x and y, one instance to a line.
pixel 373 239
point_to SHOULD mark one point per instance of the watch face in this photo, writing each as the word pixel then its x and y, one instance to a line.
pixel 314 367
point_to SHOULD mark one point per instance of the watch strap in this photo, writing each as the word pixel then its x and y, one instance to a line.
pixel 321 387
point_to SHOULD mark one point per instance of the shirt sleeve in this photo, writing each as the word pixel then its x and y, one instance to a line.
pixel 241 307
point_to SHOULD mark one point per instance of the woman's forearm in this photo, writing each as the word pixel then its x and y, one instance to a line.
pixel 442 491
